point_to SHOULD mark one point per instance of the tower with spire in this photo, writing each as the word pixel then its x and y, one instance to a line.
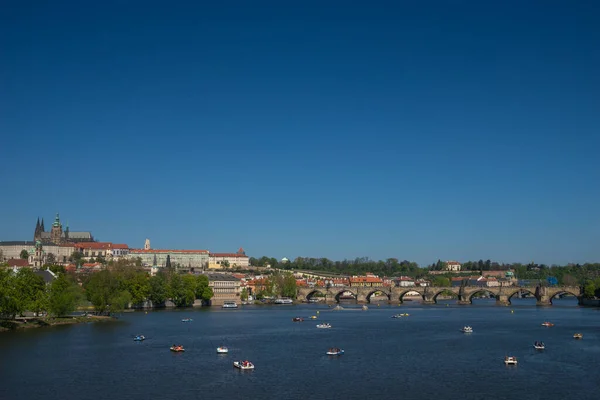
pixel 56 233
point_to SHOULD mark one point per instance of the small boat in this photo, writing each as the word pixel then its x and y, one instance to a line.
pixel 510 360
pixel 467 329
pixel 335 352
pixel 548 324
pixel 539 346
pixel 187 320
pixel 139 338
pixel 298 319
pixel 325 325
pixel 177 349
pixel 578 336
pixel 397 315
pixel 313 317
pixel 313 300
pixel 284 300
pixel 222 350
pixel 244 365
pixel 230 304
pixel 405 315
pixel 365 308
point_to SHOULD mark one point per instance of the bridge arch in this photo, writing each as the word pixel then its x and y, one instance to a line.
pixel 377 292
pixel 341 292
pixel 315 293
pixel 480 290
pixel 445 291
pixel 407 291
pixel 519 290
pixel 561 292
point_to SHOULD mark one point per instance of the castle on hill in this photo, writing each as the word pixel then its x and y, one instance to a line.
pixel 57 235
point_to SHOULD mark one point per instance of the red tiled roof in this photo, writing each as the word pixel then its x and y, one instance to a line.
pixel 17 262
pixel 365 279
pixel 161 251
pixel 235 255
pixel 100 245
pixel 91 265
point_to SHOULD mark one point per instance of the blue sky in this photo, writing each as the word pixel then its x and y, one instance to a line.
pixel 417 130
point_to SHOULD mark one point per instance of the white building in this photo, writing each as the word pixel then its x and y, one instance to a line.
pixel 453 266
pixel 185 259
pixel 232 260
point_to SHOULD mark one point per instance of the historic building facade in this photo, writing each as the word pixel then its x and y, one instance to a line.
pixel 57 235
pixel 184 260
pixel 231 260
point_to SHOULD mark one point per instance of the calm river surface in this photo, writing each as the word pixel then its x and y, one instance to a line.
pixel 423 356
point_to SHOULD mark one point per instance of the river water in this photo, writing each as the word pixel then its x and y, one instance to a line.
pixel 422 356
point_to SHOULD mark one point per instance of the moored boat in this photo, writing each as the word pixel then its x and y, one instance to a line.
pixel 230 304
pixel 578 336
pixel 244 365
pixel 324 325
pixel 177 349
pixel 222 350
pixel 283 300
pixel 334 351
pixel 467 329
pixel 510 360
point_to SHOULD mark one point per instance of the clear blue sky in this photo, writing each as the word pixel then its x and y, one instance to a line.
pixel 410 129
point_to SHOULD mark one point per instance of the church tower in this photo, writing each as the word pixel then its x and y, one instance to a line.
pixel 37 234
pixel 147 244
pixel 56 233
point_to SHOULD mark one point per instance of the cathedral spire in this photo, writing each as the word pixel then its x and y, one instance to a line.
pixel 42 226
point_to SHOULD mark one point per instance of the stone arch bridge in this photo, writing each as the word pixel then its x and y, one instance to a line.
pixel 465 294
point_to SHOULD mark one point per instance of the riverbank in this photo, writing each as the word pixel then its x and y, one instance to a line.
pixel 30 323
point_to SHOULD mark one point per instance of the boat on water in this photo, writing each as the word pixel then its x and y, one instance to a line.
pixel 187 320
pixel 222 350
pixel 244 365
pixel 177 348
pixel 334 351
pixel 283 300
pixel 397 316
pixel 139 338
pixel 578 336
pixel 547 324
pixel 510 360
pixel 230 304
pixel 298 319
pixel 467 329
pixel 365 308
pixel 325 325
pixel 539 345
pixel 313 317
pixel 313 300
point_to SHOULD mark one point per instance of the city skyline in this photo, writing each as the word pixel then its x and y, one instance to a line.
pixel 421 132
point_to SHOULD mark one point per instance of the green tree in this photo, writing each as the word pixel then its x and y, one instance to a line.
pixel 76 257
pixel 137 283
pixel 225 264
pixel 244 294
pixel 57 269
pixel 63 296
pixel 589 290
pixel 203 290
pixel 159 289
pixel 31 291
pixel 440 281
pixel 101 289
pixel 24 254
pixel 9 304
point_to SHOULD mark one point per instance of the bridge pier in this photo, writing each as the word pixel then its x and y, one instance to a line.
pixel 543 301
pixel 463 302
pixel 502 300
